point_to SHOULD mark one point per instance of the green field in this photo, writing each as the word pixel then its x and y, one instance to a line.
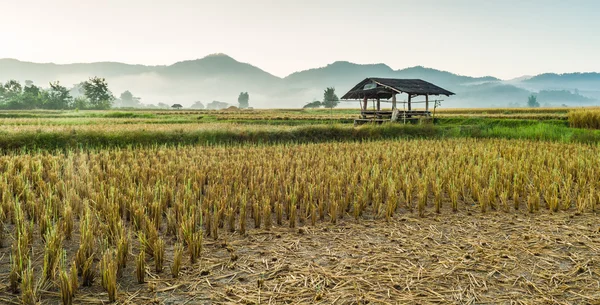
pixel 71 129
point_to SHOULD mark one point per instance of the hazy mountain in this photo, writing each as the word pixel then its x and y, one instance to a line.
pixel 221 78
pixel 338 73
pixel 46 72
pixel 491 94
pixel 344 75
pixel 566 77
pixel 442 78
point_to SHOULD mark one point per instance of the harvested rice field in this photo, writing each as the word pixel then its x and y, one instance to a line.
pixel 401 221
pixel 457 258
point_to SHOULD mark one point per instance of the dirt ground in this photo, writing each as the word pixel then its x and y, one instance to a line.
pixel 462 258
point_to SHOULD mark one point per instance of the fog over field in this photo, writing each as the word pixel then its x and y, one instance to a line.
pixel 221 77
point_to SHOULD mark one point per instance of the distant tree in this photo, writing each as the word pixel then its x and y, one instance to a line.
pixel 57 97
pixel 313 104
pixel 31 89
pixel 11 96
pixel 77 90
pixel 244 100
pixel 216 105
pixel 532 101
pixel 12 88
pixel 128 100
pixel 177 106
pixel 32 96
pixel 163 106
pixel 330 100
pixel 81 102
pixel 197 105
pixel 96 91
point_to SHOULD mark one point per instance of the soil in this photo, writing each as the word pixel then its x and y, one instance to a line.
pixel 453 258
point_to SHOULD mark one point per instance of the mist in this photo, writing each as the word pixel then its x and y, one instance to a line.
pixel 219 77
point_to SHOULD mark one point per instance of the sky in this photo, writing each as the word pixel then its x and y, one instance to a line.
pixel 503 38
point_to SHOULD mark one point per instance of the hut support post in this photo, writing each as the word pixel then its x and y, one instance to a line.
pixel 393 102
pixel 378 105
pixel 427 102
pixel 409 98
pixel 364 104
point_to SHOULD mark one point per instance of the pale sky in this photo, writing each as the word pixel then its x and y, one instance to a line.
pixel 503 38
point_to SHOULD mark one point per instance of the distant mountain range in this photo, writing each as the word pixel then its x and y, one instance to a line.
pixel 220 77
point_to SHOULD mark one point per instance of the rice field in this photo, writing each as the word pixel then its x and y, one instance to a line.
pixel 421 220
pixel 109 222
pixel 585 119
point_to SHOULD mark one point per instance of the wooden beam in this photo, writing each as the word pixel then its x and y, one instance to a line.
pixel 393 102
pixel 364 104
pixel 378 105
pixel 387 87
pixel 426 102
pixel 409 106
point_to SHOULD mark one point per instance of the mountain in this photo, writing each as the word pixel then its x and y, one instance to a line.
pixel 220 77
pixel 216 77
pixel 442 78
pixel 339 72
pixel 46 72
pixel 344 75
pixel 566 77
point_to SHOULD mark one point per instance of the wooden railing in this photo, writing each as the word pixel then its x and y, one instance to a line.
pixel 386 116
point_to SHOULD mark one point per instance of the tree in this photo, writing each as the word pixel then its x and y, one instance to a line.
pixel 313 104
pixel 12 97
pixel 12 88
pixel 163 106
pixel 216 105
pixel 57 97
pixel 177 106
pixel 81 102
pixel 197 105
pixel 330 100
pixel 96 91
pixel 128 100
pixel 532 101
pixel 244 100
pixel 32 96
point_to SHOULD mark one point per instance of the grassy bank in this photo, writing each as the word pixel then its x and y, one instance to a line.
pixel 274 134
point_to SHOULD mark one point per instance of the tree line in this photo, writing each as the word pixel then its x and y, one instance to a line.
pixel 94 94
pixel 330 100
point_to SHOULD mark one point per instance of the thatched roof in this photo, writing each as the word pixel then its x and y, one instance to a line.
pixel 384 88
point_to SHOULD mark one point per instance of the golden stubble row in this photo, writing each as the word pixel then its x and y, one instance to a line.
pixel 123 207
pixel 586 118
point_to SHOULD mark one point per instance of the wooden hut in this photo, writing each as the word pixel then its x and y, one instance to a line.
pixel 384 89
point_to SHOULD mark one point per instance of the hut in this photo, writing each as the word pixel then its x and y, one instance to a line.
pixel 384 89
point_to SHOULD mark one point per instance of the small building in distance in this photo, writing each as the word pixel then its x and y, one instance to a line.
pixel 386 89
